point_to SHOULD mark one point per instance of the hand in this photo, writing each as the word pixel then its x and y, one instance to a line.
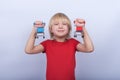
pixel 38 23
pixel 35 25
pixel 79 22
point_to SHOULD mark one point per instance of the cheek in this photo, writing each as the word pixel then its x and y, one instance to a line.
pixel 67 28
pixel 53 29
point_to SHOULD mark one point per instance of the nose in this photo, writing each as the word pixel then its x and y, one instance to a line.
pixel 60 26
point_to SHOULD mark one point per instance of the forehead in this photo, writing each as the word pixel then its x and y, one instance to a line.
pixel 55 20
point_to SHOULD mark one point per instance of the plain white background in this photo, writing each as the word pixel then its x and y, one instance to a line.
pixel 102 23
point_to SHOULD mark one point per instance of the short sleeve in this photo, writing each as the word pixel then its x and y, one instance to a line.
pixel 44 44
pixel 76 42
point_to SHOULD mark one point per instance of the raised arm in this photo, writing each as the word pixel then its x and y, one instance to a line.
pixel 30 47
pixel 87 45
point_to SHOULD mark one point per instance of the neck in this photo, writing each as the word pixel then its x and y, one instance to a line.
pixel 60 39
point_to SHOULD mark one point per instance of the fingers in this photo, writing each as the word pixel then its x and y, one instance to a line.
pixel 79 22
pixel 82 21
pixel 38 23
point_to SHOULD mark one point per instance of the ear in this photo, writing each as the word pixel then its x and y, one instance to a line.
pixel 51 31
pixel 74 21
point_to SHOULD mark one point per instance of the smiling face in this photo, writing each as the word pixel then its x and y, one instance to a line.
pixel 60 29
pixel 60 26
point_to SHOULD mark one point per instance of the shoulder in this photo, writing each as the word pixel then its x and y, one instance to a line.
pixel 73 41
pixel 46 41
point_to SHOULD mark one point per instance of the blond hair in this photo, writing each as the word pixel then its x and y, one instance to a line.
pixel 59 17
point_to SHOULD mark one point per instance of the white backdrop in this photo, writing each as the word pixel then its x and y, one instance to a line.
pixel 103 25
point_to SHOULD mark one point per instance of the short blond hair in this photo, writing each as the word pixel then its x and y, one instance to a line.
pixel 59 17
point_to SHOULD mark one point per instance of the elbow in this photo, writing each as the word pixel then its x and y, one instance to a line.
pixel 90 50
pixel 27 51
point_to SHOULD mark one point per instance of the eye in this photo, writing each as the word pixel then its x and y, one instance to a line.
pixel 64 23
pixel 55 23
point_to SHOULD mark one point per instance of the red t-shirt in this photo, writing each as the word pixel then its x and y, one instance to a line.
pixel 60 59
